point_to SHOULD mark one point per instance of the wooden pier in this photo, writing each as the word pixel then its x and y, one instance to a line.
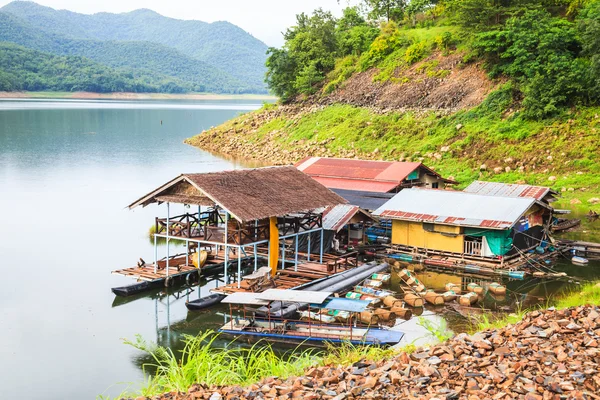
pixel 285 278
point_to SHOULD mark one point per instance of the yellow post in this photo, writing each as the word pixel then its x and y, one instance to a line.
pixel 273 245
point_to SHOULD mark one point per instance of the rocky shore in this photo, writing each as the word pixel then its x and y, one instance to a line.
pixel 551 354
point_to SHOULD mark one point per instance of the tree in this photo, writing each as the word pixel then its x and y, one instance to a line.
pixel 354 35
pixel 281 73
pixel 391 10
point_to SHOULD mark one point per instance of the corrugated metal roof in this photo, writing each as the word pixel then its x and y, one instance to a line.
pixel 507 189
pixel 295 296
pixel 365 200
pixel 342 304
pixel 245 298
pixel 335 218
pixel 455 208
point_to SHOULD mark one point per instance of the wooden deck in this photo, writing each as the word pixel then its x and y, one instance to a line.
pixel 285 279
pixel 177 266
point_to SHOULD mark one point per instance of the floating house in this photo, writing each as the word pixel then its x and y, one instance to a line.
pixel 234 212
pixel 464 224
pixel 368 183
pixel 540 193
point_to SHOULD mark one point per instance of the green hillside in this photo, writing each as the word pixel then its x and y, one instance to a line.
pixel 31 70
pixel 220 44
pixel 478 89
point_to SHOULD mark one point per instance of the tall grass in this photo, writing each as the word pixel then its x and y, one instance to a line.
pixel 205 363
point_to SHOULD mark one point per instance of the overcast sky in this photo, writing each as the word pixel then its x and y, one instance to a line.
pixel 264 19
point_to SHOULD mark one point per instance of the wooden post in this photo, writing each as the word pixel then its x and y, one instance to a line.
pixel 283 254
pixel 187 252
pixel 239 267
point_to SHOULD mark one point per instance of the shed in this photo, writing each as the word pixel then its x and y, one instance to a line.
pixel 463 223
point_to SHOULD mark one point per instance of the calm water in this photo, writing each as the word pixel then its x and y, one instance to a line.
pixel 67 170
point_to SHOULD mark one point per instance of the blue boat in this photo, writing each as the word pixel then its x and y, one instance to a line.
pixel 315 330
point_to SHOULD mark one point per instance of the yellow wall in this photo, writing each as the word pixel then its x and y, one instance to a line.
pixel 412 234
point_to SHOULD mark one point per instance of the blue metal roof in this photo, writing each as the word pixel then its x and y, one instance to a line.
pixel 343 304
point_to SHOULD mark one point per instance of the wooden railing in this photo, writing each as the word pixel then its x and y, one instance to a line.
pixel 472 247
pixel 237 234
pixel 186 225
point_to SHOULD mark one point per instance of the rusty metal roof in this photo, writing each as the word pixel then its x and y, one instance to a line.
pixel 508 190
pixel 455 208
pixel 247 194
pixel 335 218
pixel 366 175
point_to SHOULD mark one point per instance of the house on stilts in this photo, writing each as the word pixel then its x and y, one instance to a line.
pixel 465 226
pixel 235 216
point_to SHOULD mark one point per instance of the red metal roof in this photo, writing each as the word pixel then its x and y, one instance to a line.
pixel 363 185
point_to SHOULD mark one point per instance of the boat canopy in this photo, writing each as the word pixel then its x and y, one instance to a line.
pixel 245 298
pixel 294 296
pixel 343 304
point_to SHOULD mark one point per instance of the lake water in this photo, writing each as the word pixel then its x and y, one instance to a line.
pixel 68 169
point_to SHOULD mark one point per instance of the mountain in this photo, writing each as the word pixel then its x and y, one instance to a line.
pixel 221 45
pixel 149 58
pixel 26 69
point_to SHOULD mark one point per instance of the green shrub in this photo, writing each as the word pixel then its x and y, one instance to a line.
pixel 416 52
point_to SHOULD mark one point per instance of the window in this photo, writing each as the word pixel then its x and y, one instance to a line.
pixel 428 227
pixel 435 185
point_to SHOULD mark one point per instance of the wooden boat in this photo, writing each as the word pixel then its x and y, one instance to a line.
pixel 134 288
pixel 411 280
pixel 579 260
pixel 468 299
pixel 391 301
pixel 453 287
pixel 439 263
pixel 385 315
pixel 433 298
pixel 204 302
pixel 449 295
pixel 359 296
pixel 402 312
pixel 413 300
pixel 373 283
pixel 372 292
pixel 497 288
pixel 311 332
pixel 475 288
pixel 199 258
pixel 381 277
pixel 564 223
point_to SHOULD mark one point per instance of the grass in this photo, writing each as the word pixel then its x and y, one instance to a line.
pixel 564 147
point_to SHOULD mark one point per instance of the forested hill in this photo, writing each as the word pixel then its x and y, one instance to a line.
pixel 477 89
pixel 186 55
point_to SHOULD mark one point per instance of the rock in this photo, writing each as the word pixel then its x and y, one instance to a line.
pixel 552 178
pixel 507 169
pixel 508 160
pixel 459 127
pixel 445 149
pixel 497 170
pixel 549 158
pixel 594 200
pixel 483 167
pixel 575 201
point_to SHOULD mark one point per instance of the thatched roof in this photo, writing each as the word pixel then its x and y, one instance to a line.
pixel 247 194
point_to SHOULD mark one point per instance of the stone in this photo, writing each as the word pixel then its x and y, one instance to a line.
pixel 459 127
pixel 445 149
pixel 594 200
pixel 507 169
pixel 483 167
pixel 497 170
pixel 575 201
pixel 552 178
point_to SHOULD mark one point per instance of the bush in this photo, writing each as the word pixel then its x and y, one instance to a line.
pixel 416 52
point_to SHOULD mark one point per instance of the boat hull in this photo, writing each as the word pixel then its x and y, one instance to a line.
pixel 204 302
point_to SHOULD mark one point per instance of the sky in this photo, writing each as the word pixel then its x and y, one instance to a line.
pixel 264 19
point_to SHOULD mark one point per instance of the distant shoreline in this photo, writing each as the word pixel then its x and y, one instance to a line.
pixel 134 96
